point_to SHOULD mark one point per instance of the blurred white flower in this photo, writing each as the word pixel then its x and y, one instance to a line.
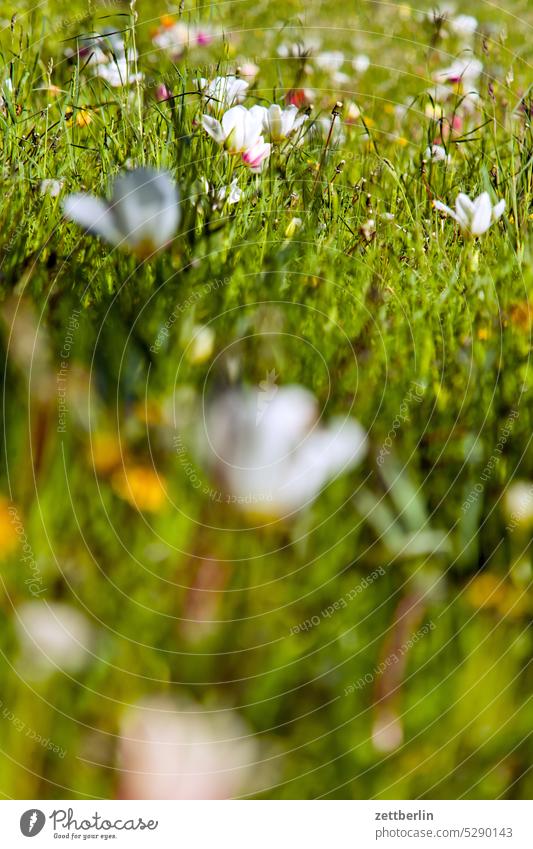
pixel 361 63
pixel 280 462
pixel 280 124
pixel 51 187
pixel 464 26
pixel 119 72
pixel 330 60
pixel 248 71
pixel 143 213
pixel 437 153
pixel 170 751
pixel 473 216
pixel 52 635
pixel 466 71
pixel 223 92
pixel 172 39
pixel 297 50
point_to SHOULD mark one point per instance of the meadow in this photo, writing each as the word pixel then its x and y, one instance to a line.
pixel 266 487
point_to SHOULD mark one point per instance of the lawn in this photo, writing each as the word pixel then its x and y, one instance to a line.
pixel 266 487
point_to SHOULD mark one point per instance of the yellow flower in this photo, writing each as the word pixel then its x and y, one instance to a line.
pixel 104 452
pixel 83 118
pixel 8 535
pixel 492 592
pixel 141 487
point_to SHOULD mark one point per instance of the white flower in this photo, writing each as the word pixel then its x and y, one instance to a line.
pixel 173 39
pixel 361 63
pixel 143 213
pixel 330 60
pixel 437 153
pixel 223 92
pixel 279 462
pixel 248 71
pixel 464 26
pixel 466 71
pixel 279 124
pixel 473 216
pixel 51 187
pixel 255 157
pixel 231 194
pixel 297 50
pixel 118 72
pixel 239 130
pixel 183 751
pixel 53 635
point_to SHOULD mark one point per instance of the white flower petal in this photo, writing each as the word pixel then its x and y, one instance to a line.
pixel 214 128
pixel 498 210
pixel 437 204
pixel 482 216
pixel 146 207
pixel 93 215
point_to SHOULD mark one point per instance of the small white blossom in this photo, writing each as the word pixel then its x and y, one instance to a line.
pixel 436 153
pixel 330 60
pixel 473 216
pixel 51 187
pixel 361 63
pixel 53 635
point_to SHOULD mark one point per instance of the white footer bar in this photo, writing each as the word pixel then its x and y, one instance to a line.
pixel 268 824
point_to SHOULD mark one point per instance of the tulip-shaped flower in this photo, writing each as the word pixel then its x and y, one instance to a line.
pixel 270 450
pixel 239 130
pixel 280 124
pixel 473 216
pixel 142 215
pixel 240 134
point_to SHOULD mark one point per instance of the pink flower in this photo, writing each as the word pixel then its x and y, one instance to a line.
pixel 162 93
pixel 255 157
pixel 203 39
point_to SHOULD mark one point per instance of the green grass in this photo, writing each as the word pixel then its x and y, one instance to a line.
pixel 358 316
